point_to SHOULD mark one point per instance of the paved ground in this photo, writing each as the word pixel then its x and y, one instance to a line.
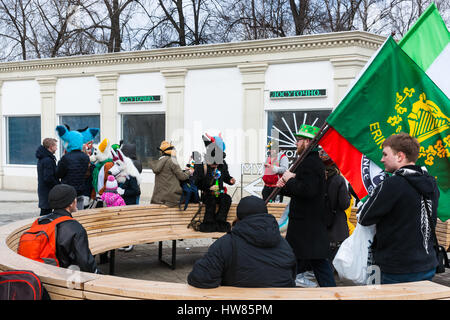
pixel 142 262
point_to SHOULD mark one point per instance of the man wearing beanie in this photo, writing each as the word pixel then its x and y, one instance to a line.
pixel 253 254
pixel 72 247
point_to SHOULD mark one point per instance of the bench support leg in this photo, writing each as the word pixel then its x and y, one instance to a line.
pixel 112 260
pixel 174 254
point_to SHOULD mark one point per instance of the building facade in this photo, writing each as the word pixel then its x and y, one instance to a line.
pixel 248 91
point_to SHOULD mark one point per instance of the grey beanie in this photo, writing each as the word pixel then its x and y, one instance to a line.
pixel 61 196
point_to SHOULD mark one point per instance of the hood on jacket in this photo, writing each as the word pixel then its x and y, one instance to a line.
pixel 260 230
pixel 129 150
pixel 158 165
pixel 419 178
pixel 42 152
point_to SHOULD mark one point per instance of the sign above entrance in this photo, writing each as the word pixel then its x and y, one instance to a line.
pixel 140 99
pixel 309 93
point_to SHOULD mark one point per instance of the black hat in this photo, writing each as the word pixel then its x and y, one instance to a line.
pixel 250 205
pixel 61 196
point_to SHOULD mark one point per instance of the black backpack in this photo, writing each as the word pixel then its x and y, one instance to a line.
pixel 21 285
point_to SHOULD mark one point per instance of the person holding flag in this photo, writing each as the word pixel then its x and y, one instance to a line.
pixel 307 231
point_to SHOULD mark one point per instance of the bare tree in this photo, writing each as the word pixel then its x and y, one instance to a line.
pixel 105 21
pixel 55 29
pixel 339 15
pixel 16 22
pixel 251 20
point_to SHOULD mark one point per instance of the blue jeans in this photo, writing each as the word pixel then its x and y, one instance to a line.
pixel 387 278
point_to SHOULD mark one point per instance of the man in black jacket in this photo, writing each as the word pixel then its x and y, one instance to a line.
pixel 252 255
pixel 46 172
pixel 72 246
pixel 404 209
pixel 307 231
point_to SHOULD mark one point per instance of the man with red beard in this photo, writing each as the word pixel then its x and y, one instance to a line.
pixel 307 230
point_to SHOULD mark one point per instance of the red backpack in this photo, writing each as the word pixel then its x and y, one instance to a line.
pixel 39 242
pixel 21 285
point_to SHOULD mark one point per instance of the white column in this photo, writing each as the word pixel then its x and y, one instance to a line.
pixel 345 70
pixel 253 82
pixel 175 85
pixel 108 107
pixel 48 107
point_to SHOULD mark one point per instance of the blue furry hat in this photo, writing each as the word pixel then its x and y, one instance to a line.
pixel 74 140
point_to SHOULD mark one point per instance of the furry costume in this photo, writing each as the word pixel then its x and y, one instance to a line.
pixel 74 140
pixel 73 166
pixel 127 176
pixel 205 176
pixel 102 158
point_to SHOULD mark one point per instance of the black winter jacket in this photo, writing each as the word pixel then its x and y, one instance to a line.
pixel 339 201
pixel 72 246
pixel 401 225
pixel 260 257
pixel 132 190
pixel 46 172
pixel 307 231
pixel 204 182
pixel 73 170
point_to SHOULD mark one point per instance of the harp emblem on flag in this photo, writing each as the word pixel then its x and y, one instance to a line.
pixel 426 119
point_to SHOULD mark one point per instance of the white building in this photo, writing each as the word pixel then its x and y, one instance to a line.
pixel 239 89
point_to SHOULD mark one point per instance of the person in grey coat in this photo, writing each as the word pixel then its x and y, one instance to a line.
pixel 168 175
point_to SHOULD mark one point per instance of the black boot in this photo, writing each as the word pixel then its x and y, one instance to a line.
pixel 222 225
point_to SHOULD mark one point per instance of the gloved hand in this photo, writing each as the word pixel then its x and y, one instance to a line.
pixel 120 191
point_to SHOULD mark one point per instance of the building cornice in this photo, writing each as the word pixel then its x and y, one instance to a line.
pixel 245 48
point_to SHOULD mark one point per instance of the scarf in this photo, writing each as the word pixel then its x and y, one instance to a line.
pixel 96 172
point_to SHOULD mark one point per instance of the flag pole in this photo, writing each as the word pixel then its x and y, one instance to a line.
pixel 301 157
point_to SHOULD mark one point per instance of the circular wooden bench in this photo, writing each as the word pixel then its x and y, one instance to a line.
pixel 111 228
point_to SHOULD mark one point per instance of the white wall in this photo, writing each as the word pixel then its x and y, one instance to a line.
pixel 21 98
pixel 141 84
pixel 80 95
pixel 213 104
pixel 296 76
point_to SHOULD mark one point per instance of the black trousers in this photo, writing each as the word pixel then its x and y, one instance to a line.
pixel 216 221
pixel 266 191
pixel 322 269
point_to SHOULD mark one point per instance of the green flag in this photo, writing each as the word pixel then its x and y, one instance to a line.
pixel 395 95
pixel 428 44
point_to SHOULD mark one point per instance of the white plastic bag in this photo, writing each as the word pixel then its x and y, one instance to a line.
pixel 353 258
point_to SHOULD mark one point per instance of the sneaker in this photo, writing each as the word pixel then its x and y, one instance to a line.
pixel 126 249
pixel 302 280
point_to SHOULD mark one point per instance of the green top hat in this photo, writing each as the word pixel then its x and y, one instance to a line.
pixel 307 131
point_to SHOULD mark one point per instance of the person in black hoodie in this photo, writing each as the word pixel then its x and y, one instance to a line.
pixel 46 172
pixel 252 255
pixel 404 244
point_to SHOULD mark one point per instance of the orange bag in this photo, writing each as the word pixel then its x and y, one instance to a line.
pixel 39 242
